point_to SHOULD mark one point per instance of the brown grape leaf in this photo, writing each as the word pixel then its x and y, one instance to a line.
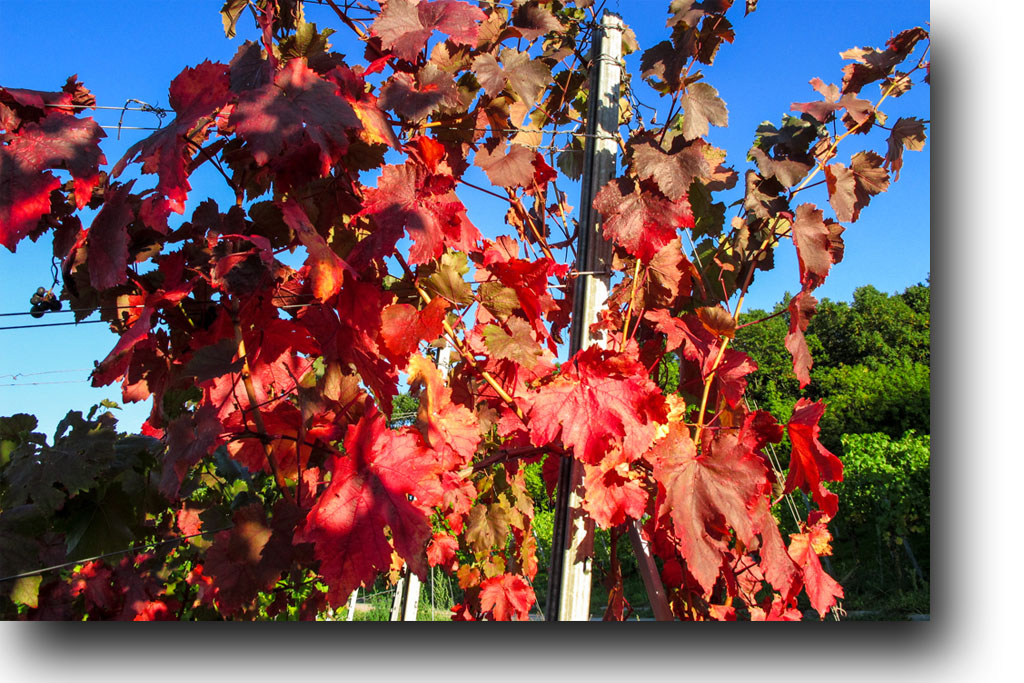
pixel 404 27
pixel 520 346
pixel 532 20
pixel 512 169
pixel 850 189
pixel 673 172
pixel 702 106
pixel 873 65
pixel 642 221
pixel 905 134
pixel 813 240
pixel 525 77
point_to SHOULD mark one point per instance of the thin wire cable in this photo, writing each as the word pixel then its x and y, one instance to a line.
pixel 29 327
pixel 157 544
pixel 47 372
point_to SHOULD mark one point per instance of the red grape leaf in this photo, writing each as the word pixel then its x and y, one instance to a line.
pixel 706 496
pixel 190 438
pixel 409 198
pixel 600 401
pixel 801 310
pixel 811 464
pixel 299 106
pixel 195 94
pixel 804 549
pixel 449 428
pixel 107 239
pixel 612 496
pixel 506 597
pixel 639 219
pixel 403 327
pixel 57 141
pixel 327 269
pixel 235 560
pixel 417 98
pixel 404 26
pixel 386 479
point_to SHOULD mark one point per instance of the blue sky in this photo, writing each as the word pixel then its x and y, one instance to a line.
pixel 133 50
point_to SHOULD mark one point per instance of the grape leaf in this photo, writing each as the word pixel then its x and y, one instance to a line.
pixel 108 239
pixel 804 549
pixel 812 239
pixel 613 497
pixel 811 464
pixel 404 26
pixel 850 189
pixel 403 327
pixel 449 428
pixel 386 479
pixel 706 496
pixel 511 169
pixel 327 269
pixel 702 106
pixel 600 401
pixel 520 346
pixel 506 597
pixel 196 94
pixel 801 310
pixel 905 134
pixel 673 172
pixel 299 106
pixel 57 141
pixel 639 218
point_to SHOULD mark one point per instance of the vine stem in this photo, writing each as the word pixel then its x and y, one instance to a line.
pixel 714 369
pixel 484 374
pixel 629 309
pixel 250 391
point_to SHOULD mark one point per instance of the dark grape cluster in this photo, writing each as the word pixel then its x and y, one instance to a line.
pixel 43 301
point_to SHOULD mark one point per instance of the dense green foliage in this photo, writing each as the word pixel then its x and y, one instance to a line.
pixel 871 363
pixel 872 369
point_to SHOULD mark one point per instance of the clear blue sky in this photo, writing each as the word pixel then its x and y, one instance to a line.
pixel 133 50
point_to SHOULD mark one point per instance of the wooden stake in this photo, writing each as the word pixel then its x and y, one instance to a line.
pixel 569 577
